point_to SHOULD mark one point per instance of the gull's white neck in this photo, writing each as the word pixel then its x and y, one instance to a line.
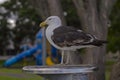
pixel 49 33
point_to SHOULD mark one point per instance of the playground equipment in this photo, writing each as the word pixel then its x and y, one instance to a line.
pixel 30 52
pixel 20 56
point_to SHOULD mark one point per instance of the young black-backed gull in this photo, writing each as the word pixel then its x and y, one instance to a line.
pixel 67 37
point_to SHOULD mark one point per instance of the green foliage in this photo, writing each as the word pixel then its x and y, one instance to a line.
pixel 114 30
pixel 26 24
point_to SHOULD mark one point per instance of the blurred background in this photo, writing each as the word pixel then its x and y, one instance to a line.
pixel 19 24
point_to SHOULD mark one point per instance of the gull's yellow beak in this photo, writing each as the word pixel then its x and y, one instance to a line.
pixel 43 24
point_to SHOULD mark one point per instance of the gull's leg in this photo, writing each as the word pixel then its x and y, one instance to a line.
pixel 62 56
pixel 68 57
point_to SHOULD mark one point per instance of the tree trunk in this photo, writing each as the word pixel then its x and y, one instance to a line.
pixel 56 9
pixel 115 73
pixel 46 8
pixel 93 15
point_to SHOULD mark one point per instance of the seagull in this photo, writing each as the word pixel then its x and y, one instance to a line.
pixel 67 38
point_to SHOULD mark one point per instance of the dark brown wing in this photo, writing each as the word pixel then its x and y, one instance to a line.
pixel 69 36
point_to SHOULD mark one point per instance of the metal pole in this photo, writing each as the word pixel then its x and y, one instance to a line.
pixel 43 47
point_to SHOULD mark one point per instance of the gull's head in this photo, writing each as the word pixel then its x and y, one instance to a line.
pixel 51 21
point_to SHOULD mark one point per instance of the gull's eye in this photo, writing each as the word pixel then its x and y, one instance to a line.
pixel 50 19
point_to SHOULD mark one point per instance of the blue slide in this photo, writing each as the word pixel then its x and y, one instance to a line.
pixel 20 56
pixel 26 53
pixel 30 52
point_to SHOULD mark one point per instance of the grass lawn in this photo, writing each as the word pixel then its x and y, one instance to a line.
pixel 16 74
